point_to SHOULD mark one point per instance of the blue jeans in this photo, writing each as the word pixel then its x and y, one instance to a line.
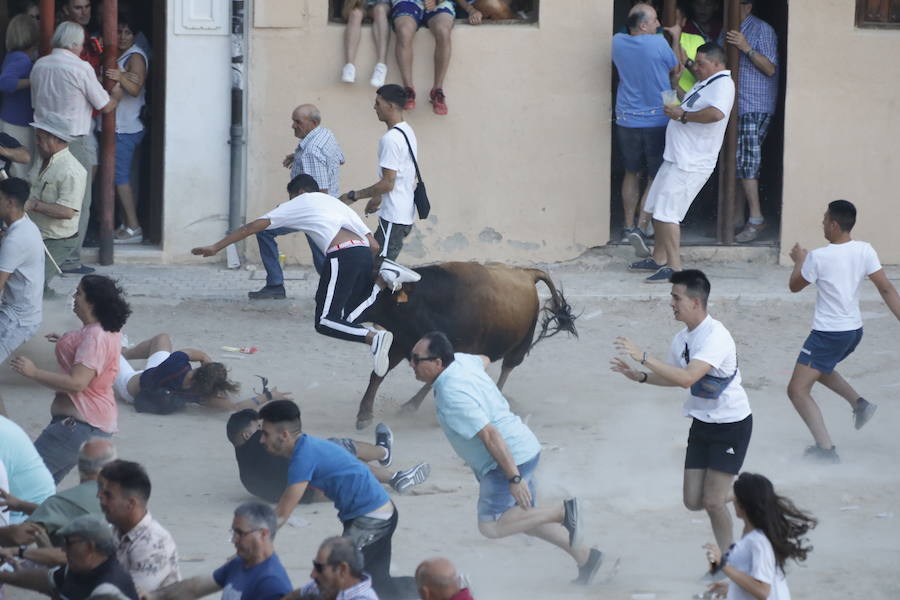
pixel 268 253
pixel 59 442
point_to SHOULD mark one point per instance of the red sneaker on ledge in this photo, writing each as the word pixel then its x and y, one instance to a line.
pixel 438 101
pixel 410 99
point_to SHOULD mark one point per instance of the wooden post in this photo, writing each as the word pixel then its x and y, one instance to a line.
pixel 668 16
pixel 728 155
pixel 108 135
pixel 48 22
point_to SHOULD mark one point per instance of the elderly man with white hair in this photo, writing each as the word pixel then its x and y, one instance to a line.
pixel 65 86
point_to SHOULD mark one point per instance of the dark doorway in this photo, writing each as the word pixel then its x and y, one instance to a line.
pixel 700 224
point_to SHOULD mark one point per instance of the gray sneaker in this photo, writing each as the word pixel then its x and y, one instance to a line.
pixel 822 455
pixel 570 521
pixel 639 243
pixel 588 570
pixel 403 481
pixel 384 438
pixel 863 412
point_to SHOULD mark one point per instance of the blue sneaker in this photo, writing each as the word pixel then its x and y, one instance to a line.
pixel 661 276
pixel 646 264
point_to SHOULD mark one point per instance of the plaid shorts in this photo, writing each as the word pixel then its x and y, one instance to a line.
pixel 752 129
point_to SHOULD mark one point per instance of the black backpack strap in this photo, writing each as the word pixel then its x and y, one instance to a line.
pixel 413 156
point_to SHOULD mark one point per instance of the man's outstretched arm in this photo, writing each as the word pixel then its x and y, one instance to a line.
pixel 235 236
pixel 887 290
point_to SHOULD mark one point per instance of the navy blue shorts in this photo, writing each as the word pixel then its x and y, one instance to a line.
pixel 642 148
pixel 718 446
pixel 823 350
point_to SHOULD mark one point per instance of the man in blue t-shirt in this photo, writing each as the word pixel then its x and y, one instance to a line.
pixel 367 513
pixel 647 66
pixel 501 450
pixel 255 573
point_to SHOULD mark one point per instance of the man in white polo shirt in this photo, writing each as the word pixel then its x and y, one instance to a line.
pixel 21 270
pixel 346 286
pixel 703 358
pixel 693 138
pixel 837 269
pixel 64 86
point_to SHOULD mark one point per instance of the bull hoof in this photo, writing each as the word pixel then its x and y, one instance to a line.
pixel 363 422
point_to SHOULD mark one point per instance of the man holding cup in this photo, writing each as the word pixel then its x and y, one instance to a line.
pixel 647 66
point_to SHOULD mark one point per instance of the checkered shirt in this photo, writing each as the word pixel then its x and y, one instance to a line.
pixel 756 92
pixel 319 155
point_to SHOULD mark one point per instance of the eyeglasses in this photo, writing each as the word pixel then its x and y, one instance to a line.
pixel 320 566
pixel 415 360
pixel 71 541
pixel 237 533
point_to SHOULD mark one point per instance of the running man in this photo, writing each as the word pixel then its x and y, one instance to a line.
pixel 837 269
pixel 346 288
pixel 703 359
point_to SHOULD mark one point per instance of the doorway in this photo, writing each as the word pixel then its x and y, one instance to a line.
pixel 700 225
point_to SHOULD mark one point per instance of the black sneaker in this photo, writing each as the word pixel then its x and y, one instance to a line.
pixel 273 292
pixel 647 264
pixel 403 481
pixel 588 570
pixel 863 412
pixel 79 270
pixel 384 438
pixel 823 455
pixel 570 521
pixel 663 275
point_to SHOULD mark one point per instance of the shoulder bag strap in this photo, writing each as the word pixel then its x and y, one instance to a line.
pixel 413 156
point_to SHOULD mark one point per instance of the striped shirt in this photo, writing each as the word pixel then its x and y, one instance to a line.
pixel 320 156
pixel 756 92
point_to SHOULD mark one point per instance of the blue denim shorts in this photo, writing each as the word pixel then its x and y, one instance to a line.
pixel 59 442
pixel 416 10
pixel 823 350
pixel 494 498
pixel 126 144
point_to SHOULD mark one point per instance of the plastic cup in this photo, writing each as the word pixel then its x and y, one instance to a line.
pixel 670 97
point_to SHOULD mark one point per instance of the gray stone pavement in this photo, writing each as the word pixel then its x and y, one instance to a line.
pixel 597 274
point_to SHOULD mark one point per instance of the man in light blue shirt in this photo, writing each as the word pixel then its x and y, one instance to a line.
pixel 501 450
pixel 29 479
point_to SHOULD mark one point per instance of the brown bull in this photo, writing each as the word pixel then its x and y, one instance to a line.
pixel 488 309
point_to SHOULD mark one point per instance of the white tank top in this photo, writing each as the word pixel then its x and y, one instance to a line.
pixel 128 112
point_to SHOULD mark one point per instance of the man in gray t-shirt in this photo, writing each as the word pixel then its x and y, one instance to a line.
pixel 21 270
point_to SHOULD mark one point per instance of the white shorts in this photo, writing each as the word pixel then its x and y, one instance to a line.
pixel 672 192
pixel 13 335
pixel 126 372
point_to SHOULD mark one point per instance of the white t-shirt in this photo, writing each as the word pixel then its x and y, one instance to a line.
pixel 695 146
pixel 22 256
pixel 753 555
pixel 711 343
pixel 318 215
pixel 397 205
pixel 838 270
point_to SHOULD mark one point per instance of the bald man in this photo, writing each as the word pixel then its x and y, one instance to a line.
pixel 319 156
pixel 437 579
pixel 60 509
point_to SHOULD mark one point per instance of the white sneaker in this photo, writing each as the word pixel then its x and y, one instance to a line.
pixel 381 347
pixel 379 75
pixel 396 275
pixel 348 73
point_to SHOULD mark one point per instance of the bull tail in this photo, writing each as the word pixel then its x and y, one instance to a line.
pixel 556 314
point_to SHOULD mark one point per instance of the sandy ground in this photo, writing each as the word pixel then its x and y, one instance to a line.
pixel 617 445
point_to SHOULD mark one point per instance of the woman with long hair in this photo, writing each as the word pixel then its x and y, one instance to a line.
pixel 84 405
pixel 16 112
pixel 207 384
pixel 774 531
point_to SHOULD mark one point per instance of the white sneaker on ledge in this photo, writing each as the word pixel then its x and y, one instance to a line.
pixel 396 275
pixel 348 73
pixel 379 75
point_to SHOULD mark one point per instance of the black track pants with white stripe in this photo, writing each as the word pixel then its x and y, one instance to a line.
pixel 346 290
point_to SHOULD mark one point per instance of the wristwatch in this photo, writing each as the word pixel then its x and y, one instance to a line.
pixel 750 53
pixel 22 549
pixel 515 479
pixel 683 119
pixel 351 195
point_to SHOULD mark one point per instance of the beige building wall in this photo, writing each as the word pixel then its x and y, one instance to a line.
pixel 519 169
pixel 842 126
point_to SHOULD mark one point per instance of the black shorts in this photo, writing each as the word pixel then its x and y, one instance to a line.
pixel 718 446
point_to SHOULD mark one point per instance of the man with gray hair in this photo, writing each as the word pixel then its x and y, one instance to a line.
pixel 57 192
pixel 59 510
pixel 337 574
pixel 64 86
pixel 91 567
pixel 319 156
pixel 256 573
